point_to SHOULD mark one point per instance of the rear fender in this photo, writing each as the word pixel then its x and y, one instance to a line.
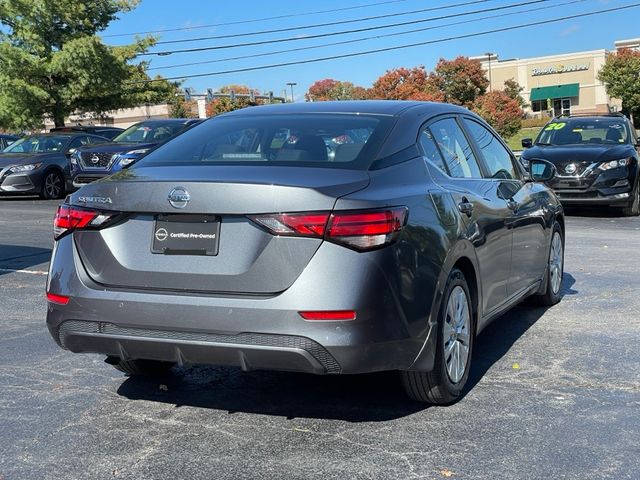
pixel 463 249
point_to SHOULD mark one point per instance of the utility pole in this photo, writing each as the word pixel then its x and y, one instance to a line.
pixel 292 84
pixel 489 54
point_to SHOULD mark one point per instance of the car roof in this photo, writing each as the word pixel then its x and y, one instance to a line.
pixel 370 107
pixel 169 121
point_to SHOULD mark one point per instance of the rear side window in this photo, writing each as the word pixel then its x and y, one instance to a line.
pixel 455 149
pixel 430 149
pixel 328 140
pixel 497 158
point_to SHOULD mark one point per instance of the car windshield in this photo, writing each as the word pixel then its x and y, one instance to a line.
pixel 585 131
pixel 38 144
pixel 332 140
pixel 149 132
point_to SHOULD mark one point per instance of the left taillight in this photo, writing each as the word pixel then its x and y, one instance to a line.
pixel 69 218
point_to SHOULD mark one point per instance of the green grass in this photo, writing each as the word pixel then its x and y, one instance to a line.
pixel 515 141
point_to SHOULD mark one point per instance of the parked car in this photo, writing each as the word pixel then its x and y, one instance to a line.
pixel 6 140
pixel 242 242
pixel 100 130
pixel 596 157
pixel 93 162
pixel 39 164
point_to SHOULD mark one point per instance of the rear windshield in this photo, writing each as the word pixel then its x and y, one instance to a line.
pixel 609 131
pixel 329 140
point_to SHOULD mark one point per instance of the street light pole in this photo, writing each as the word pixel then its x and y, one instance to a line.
pixel 291 84
pixel 488 54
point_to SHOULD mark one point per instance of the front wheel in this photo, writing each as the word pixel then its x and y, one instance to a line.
pixel 633 209
pixel 52 186
pixel 443 385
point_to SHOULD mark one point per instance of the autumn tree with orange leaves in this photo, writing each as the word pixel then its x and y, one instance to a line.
pixel 406 84
pixel 226 104
pixel 330 89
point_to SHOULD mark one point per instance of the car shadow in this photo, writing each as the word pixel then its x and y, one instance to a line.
pixel 19 257
pixel 374 397
pixel 594 212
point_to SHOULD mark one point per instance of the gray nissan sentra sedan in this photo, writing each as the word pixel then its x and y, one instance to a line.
pixel 332 237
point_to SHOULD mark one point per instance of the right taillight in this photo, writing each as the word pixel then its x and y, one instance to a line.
pixel 69 218
pixel 366 230
pixel 361 229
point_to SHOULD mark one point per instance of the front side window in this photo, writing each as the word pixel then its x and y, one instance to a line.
pixel 497 157
pixel 150 132
pixel 333 140
pixel 455 149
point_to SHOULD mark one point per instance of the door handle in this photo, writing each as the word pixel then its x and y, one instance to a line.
pixel 513 205
pixel 466 207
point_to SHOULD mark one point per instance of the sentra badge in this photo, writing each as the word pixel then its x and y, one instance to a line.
pixel 101 200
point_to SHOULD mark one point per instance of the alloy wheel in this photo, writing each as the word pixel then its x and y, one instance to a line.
pixel 52 185
pixel 556 263
pixel 456 334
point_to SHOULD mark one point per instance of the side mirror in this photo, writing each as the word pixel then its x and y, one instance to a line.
pixel 527 143
pixel 541 170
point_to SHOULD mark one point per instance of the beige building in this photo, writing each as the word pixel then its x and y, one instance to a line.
pixel 557 84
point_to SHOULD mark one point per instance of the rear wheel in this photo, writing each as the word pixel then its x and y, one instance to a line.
pixel 52 185
pixel 148 368
pixel 555 270
pixel 443 385
pixel 633 209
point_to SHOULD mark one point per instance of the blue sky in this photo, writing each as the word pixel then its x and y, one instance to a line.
pixel 572 35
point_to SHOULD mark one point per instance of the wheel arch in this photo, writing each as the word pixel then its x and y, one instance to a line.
pixel 462 257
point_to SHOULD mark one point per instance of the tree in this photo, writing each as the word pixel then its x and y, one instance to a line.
pixel 406 84
pixel 181 108
pixel 460 81
pixel 501 112
pixel 52 63
pixel 226 104
pixel 330 89
pixel 513 90
pixel 621 77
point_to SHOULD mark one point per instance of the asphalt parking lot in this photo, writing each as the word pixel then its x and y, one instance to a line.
pixel 553 393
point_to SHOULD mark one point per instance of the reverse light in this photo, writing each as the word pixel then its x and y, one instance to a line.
pixel 614 164
pixel 59 299
pixel 329 315
pixel 69 218
pixel 360 230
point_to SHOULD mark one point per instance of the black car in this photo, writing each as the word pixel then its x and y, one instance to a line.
pixel 39 164
pixel 100 130
pixel 324 237
pixel 6 140
pixel 596 158
pixel 91 163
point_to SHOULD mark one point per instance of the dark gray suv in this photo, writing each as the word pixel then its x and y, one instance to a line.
pixel 329 238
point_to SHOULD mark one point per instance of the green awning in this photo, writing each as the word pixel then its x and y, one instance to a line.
pixel 556 91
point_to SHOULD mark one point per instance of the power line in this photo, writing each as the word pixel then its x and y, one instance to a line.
pixel 357 40
pixel 343 32
pixel 326 24
pixel 398 47
pixel 255 20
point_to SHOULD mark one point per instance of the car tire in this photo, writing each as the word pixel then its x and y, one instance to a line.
pixel 633 209
pixel 444 384
pixel 53 185
pixel 139 367
pixel 555 270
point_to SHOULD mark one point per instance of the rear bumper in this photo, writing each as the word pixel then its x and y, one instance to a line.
pixel 264 332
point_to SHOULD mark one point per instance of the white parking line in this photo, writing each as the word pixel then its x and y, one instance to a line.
pixel 32 272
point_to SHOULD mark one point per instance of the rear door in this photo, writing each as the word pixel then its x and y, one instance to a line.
pixel 526 207
pixel 483 211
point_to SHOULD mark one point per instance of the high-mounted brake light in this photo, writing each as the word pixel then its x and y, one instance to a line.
pixel 361 230
pixel 69 218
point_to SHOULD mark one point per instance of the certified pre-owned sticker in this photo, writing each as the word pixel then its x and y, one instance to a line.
pixel 161 234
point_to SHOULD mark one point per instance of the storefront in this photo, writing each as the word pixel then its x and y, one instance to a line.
pixel 556 84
